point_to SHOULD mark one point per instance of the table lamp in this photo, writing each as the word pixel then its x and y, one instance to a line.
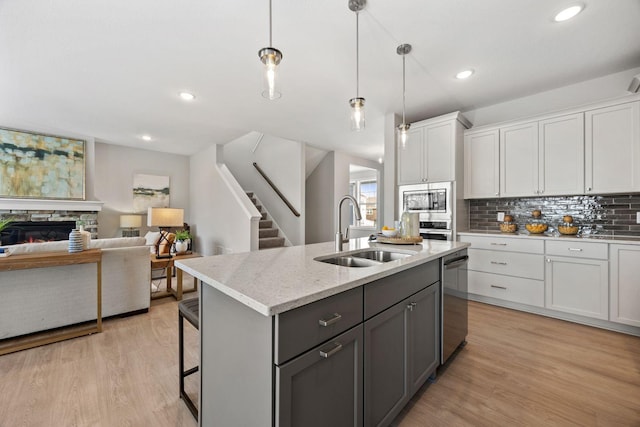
pixel 164 218
pixel 130 225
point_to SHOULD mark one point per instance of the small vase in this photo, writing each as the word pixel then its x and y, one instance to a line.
pixel 75 241
pixel 86 238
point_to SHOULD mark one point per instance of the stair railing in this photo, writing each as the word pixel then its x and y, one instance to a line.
pixel 284 199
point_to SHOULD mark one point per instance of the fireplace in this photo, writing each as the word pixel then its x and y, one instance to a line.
pixel 36 231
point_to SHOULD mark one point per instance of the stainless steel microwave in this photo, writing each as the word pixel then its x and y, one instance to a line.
pixel 433 198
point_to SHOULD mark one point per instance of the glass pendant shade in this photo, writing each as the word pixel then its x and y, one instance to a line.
pixel 357 113
pixel 403 134
pixel 271 58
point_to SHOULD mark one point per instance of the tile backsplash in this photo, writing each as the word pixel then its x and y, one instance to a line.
pixel 599 215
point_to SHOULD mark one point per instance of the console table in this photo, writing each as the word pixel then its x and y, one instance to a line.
pixel 54 259
pixel 167 263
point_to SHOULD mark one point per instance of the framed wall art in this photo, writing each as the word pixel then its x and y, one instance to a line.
pixel 39 166
pixel 150 191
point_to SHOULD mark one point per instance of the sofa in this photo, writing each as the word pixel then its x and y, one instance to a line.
pixel 39 299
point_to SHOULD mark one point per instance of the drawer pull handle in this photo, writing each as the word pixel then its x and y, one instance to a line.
pixel 334 350
pixel 498 244
pixel 575 249
pixel 331 321
pixel 498 263
pixel 498 287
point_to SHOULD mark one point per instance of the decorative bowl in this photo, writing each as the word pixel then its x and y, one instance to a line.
pixel 537 228
pixel 508 227
pixel 390 232
pixel 568 229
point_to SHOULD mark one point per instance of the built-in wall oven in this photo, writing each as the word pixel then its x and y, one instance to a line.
pixel 453 330
pixel 433 202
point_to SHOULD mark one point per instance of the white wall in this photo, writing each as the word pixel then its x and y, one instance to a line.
pixel 284 163
pixel 319 206
pixel 610 86
pixel 224 222
pixel 115 167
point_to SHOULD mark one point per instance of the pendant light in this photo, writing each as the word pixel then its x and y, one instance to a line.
pixel 403 129
pixel 357 103
pixel 270 57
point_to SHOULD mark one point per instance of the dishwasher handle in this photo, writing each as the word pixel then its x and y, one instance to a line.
pixel 456 262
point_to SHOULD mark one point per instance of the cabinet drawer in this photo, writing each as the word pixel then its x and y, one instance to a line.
pixel 579 249
pixel 514 289
pixel 529 266
pixel 534 245
pixel 305 327
pixel 383 293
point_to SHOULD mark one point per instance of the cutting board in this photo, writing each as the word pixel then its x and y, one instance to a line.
pixel 399 240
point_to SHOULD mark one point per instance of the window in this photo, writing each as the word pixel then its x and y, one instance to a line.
pixel 364 188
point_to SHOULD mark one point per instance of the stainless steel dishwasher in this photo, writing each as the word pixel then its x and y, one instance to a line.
pixel 453 330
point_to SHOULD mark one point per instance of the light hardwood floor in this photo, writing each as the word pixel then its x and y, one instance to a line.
pixel 517 369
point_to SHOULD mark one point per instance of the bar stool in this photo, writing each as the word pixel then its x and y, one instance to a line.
pixel 188 309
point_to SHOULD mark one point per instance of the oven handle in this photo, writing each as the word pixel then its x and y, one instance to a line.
pixel 456 262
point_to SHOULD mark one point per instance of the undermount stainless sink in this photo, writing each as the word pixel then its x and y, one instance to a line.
pixel 363 258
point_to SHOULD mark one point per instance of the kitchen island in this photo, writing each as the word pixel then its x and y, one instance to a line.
pixel 286 339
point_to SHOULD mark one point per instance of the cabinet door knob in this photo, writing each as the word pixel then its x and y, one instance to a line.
pixel 588 188
pixel 327 354
pixel 329 322
pixel 497 194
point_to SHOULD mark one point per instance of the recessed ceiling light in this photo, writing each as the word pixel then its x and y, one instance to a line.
pixel 146 137
pixel 568 13
pixel 465 74
pixel 187 96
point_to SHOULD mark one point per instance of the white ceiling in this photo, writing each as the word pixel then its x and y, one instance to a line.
pixel 112 69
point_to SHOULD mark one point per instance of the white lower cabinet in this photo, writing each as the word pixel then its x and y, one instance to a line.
pixel 578 286
pixel 508 288
pixel 625 284
pixel 583 280
pixel 508 269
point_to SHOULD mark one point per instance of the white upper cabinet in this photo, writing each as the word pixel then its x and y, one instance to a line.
pixel 519 160
pixel 581 151
pixel 612 145
pixel 482 164
pixel 431 150
pixel 561 155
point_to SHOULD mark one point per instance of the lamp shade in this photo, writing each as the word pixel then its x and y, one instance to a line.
pixel 130 221
pixel 165 217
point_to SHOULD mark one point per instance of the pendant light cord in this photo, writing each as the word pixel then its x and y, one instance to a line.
pixel 403 90
pixel 270 26
pixel 357 57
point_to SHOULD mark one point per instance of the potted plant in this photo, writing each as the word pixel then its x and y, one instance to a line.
pixel 183 238
pixel 4 223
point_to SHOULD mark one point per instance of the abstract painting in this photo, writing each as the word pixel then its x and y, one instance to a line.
pixel 150 191
pixel 38 166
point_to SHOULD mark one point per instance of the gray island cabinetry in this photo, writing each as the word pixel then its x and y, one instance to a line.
pixel 352 358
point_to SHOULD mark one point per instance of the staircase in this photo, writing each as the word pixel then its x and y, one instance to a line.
pixel 268 233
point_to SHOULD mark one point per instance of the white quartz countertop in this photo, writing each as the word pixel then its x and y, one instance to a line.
pixel 631 240
pixel 273 281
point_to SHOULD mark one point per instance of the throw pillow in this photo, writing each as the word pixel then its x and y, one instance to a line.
pixel 152 238
pixel 165 245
